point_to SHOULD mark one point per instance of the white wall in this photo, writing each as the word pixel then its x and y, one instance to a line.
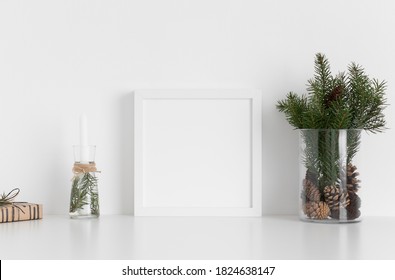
pixel 61 58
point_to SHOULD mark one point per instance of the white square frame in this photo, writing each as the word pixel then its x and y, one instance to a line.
pixel 153 198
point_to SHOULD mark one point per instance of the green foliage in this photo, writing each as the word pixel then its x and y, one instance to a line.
pixel 327 152
pixel 334 110
pixel 294 108
pixel 84 192
pixel 344 101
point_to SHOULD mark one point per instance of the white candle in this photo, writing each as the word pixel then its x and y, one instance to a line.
pixel 84 138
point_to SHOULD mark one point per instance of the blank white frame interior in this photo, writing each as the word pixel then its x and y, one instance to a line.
pixel 197 153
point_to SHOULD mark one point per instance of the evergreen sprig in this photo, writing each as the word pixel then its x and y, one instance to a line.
pixel 84 192
pixel 348 101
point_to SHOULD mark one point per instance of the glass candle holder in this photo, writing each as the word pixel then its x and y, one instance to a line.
pixel 84 198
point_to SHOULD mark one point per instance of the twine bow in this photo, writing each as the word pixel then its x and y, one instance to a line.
pixel 80 168
pixel 8 199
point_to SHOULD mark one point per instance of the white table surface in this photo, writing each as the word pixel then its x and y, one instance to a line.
pixel 129 237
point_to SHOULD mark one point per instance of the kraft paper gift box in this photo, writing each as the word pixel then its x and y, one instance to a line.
pixel 20 212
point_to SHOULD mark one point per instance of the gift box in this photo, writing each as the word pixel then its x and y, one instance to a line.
pixel 20 212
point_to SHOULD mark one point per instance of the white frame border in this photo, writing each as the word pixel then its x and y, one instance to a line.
pixel 256 153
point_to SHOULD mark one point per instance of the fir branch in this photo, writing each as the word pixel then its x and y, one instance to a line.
pixel 375 120
pixel 78 196
pixel 293 107
pixel 84 192
pixel 350 101
pixel 353 143
pixel 346 101
pixel 321 84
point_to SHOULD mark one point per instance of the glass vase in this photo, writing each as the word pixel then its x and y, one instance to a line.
pixel 329 180
pixel 84 197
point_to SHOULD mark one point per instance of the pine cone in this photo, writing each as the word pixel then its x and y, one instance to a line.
pixel 336 198
pixel 335 214
pixel 310 192
pixel 317 210
pixel 334 95
pixel 352 181
pixel 353 211
pixel 355 200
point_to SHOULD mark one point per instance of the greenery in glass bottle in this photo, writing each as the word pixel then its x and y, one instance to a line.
pixel 84 192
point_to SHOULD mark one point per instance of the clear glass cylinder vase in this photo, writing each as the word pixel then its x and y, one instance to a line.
pixel 84 197
pixel 329 177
